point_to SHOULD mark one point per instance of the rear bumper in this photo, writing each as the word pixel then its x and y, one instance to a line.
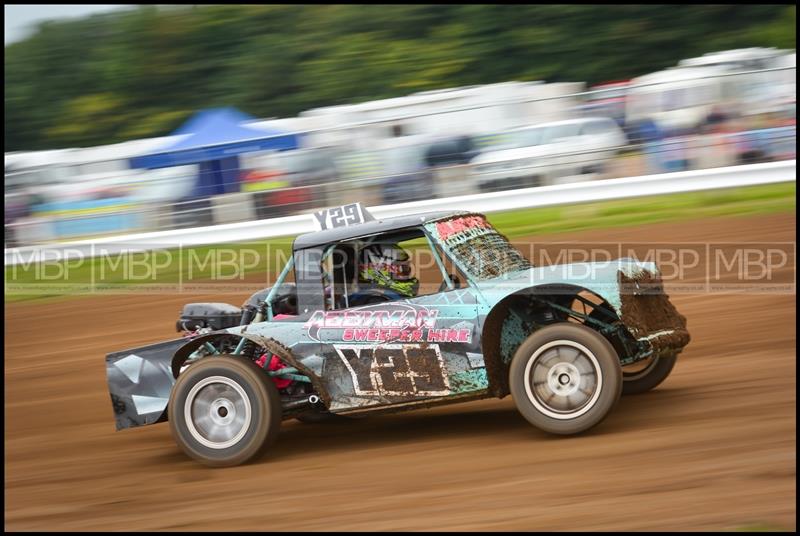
pixel 140 381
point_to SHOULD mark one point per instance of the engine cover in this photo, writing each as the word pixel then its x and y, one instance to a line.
pixel 208 315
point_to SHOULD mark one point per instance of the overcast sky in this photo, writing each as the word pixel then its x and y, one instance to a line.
pixel 21 19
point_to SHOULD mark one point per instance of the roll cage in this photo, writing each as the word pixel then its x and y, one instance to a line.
pixel 311 277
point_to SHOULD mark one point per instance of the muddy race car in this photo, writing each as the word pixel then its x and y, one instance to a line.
pixel 325 346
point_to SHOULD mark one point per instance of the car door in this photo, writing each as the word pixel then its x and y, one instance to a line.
pixel 404 349
pixel 411 350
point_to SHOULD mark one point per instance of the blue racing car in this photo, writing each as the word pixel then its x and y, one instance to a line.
pixel 355 333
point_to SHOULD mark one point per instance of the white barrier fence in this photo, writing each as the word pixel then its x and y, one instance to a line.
pixel 580 192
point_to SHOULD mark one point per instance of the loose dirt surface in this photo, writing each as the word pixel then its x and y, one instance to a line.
pixel 712 448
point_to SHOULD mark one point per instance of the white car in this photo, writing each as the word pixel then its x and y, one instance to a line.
pixel 541 154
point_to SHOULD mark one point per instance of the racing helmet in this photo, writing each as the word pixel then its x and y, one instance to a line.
pixel 387 266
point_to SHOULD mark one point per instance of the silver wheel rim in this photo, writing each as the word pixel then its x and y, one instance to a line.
pixel 217 412
pixel 563 379
pixel 634 375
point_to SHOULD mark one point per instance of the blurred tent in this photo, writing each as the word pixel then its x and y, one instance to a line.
pixel 213 139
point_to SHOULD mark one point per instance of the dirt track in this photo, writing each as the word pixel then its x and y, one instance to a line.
pixel 712 448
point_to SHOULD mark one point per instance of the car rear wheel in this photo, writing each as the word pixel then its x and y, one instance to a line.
pixel 224 411
pixel 642 377
pixel 565 378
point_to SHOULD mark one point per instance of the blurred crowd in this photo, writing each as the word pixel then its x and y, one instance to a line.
pixel 722 109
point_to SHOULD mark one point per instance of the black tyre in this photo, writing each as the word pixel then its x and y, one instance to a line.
pixel 565 378
pixel 224 411
pixel 642 377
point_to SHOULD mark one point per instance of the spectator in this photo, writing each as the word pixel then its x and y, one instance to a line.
pixel 715 121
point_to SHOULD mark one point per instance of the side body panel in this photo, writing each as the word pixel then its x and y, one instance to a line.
pixel 390 353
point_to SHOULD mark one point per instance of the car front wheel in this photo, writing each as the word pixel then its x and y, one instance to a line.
pixel 565 378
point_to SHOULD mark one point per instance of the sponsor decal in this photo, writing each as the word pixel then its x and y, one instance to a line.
pixel 395 370
pixel 459 226
pixel 400 325
pixel 401 318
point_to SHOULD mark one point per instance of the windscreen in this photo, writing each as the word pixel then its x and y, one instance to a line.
pixel 477 246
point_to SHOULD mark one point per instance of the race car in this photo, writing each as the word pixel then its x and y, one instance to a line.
pixel 565 341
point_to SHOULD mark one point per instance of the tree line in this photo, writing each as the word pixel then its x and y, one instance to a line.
pixel 141 72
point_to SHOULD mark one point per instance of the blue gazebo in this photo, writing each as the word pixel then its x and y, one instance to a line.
pixel 214 139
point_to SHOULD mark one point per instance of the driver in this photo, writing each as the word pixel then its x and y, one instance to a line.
pixel 389 267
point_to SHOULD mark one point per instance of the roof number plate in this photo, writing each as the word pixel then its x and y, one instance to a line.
pixel 343 216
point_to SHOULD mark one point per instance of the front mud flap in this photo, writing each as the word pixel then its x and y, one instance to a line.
pixel 649 314
pixel 140 381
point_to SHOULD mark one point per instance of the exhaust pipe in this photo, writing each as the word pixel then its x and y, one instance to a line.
pixel 311 400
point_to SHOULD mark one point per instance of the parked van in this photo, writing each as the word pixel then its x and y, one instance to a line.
pixel 545 152
pixel 681 98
